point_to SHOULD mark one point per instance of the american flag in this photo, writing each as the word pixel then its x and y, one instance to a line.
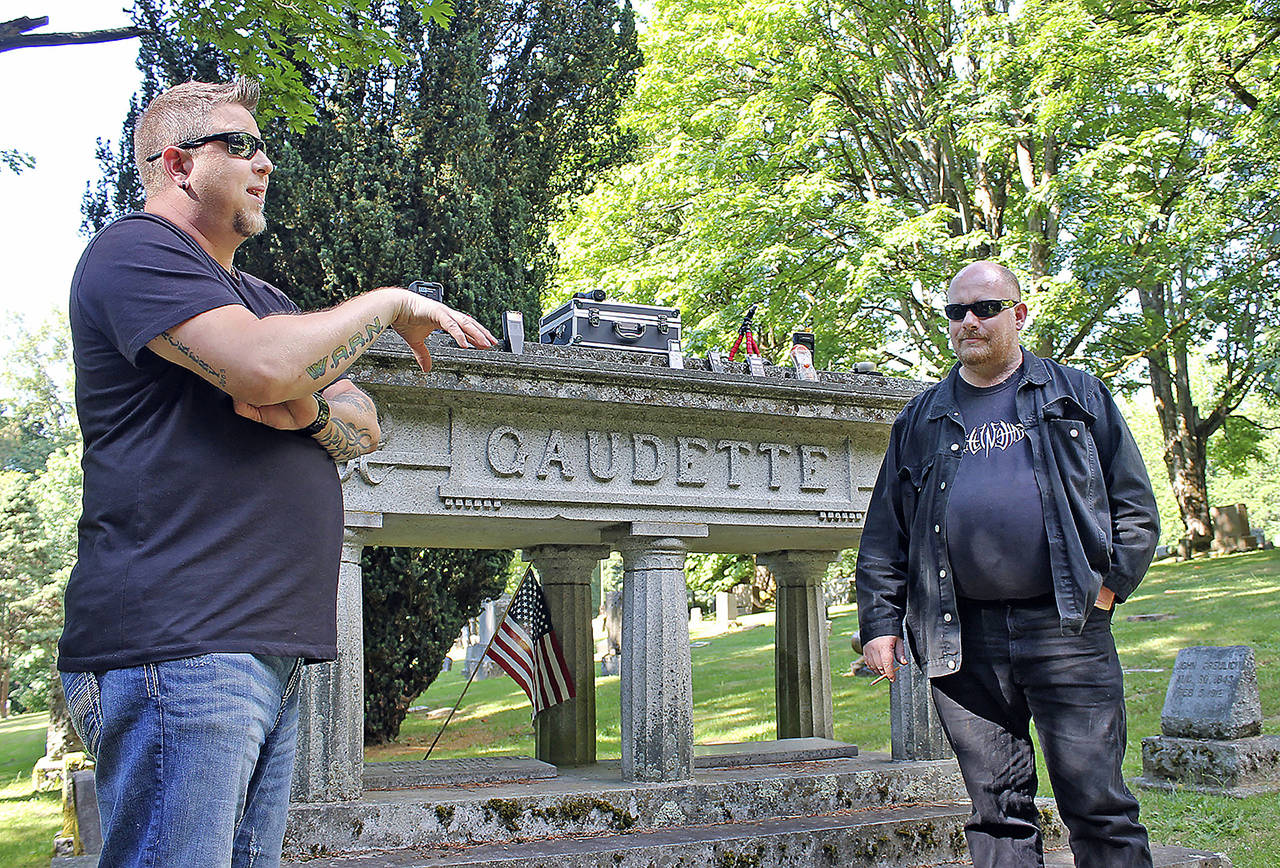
pixel 525 645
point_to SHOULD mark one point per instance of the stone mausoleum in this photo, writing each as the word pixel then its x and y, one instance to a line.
pixel 568 454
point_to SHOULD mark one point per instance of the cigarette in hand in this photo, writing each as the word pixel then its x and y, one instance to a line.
pixel 878 680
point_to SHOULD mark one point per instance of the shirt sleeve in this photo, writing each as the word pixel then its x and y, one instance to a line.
pixel 142 276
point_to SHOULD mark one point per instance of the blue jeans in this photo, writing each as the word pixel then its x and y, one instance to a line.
pixel 1018 665
pixel 194 758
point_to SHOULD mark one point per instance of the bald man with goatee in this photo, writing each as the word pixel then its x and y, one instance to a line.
pixel 1011 514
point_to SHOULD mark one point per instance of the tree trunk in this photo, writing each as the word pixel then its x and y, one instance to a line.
pixel 4 693
pixel 1185 439
pixel 1187 467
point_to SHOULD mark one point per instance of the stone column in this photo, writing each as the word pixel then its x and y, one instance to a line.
pixel 915 730
pixel 566 733
pixel 330 760
pixel 657 675
pixel 802 661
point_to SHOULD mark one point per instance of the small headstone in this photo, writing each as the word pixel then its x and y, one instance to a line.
pixel 610 664
pixel 474 659
pixel 1213 694
pixel 611 609
pixel 726 609
pixel 695 614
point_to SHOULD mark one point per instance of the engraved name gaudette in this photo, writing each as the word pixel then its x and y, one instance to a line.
pixel 649 459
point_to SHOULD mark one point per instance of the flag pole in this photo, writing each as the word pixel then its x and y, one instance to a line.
pixel 479 662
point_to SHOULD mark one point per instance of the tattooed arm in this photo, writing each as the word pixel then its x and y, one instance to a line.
pixel 279 359
pixel 353 420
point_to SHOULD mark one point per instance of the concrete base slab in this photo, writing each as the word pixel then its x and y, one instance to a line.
pixel 1161 857
pixel 1237 767
pixel 407 774
pixel 756 753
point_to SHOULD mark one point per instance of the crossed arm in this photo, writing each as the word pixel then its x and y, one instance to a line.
pixel 272 366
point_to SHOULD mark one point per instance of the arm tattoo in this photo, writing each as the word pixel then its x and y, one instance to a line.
pixel 354 346
pixel 344 441
pixel 219 376
pixel 357 400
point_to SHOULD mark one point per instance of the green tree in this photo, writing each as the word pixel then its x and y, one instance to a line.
pixel 446 167
pixel 39 506
pixel 286 46
pixel 29 595
pixel 36 413
pixel 416 603
pixel 838 162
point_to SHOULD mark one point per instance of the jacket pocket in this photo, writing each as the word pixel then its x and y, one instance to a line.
pixel 84 705
pixel 1074 454
pixel 914 478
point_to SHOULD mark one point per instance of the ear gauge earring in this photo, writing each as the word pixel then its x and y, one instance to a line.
pixel 182 185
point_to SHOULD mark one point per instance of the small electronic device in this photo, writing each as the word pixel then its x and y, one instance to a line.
pixel 429 288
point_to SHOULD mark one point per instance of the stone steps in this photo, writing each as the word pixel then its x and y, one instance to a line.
pixel 593 801
pixel 899 836
pixel 915 836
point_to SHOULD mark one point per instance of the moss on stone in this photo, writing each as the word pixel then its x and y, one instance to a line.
pixel 505 811
pixel 579 810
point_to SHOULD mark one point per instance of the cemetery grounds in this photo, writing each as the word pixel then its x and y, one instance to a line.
pixel 1231 600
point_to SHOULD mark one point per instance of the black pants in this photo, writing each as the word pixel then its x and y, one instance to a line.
pixel 1018 665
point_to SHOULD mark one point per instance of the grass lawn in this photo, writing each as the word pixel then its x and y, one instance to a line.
pixel 1221 601
pixel 28 820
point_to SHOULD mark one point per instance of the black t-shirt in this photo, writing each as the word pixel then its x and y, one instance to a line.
pixel 996 539
pixel 202 531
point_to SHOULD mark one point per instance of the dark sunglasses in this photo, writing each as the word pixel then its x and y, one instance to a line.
pixel 984 309
pixel 243 145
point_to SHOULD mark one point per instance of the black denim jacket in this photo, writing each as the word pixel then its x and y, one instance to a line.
pixel 1099 511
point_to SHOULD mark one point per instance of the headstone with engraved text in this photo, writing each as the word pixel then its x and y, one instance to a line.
pixel 1211 728
pixel 1213 694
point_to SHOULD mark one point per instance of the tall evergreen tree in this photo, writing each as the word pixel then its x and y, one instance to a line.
pixel 450 168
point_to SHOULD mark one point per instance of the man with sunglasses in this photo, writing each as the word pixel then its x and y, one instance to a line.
pixel 1012 511
pixel 212 412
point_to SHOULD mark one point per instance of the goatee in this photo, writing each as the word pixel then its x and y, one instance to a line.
pixel 248 223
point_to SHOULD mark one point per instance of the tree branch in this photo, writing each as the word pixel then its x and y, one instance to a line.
pixel 13 34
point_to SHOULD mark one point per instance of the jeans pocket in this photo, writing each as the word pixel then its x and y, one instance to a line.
pixel 290 689
pixel 84 705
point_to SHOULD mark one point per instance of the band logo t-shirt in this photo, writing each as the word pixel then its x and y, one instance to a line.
pixel 996 538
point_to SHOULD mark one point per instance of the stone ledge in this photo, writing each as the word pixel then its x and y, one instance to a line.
pixel 783 750
pixel 406 774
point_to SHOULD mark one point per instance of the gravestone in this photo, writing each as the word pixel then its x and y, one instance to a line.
pixel 1211 727
pixel 611 609
pixel 486 625
pixel 1231 529
pixel 726 609
pixel 1213 693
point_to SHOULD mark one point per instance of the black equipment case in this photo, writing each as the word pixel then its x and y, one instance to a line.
pixel 613 325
